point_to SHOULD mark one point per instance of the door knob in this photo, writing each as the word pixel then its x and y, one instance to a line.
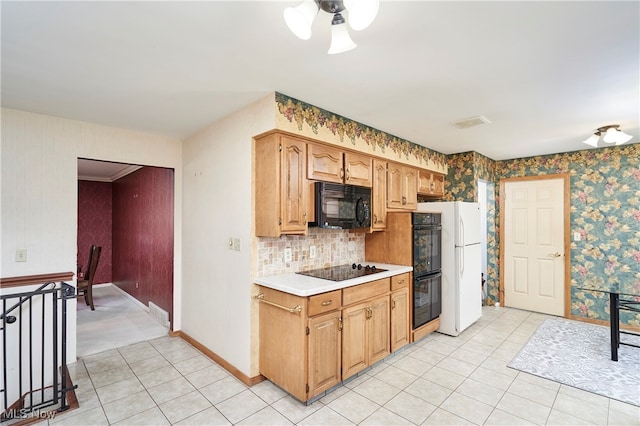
pixel 556 254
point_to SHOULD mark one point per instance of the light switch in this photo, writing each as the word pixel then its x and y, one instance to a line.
pixel 576 236
pixel 312 252
pixel 21 255
pixel 288 254
pixel 236 244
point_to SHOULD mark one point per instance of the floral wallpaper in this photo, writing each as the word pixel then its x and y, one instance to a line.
pixel 605 210
pixel 604 197
pixel 465 169
pixel 301 113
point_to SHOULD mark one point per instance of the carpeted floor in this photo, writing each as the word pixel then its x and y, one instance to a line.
pixel 117 321
pixel 579 355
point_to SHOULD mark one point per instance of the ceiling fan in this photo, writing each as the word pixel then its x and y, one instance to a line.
pixel 361 14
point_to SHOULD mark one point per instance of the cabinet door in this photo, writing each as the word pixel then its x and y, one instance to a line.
pixel 410 188
pixel 294 188
pixel 325 163
pixel 379 195
pixel 324 352
pixel 424 182
pixel 399 318
pixel 402 187
pixel 354 340
pixel 358 169
pixel 394 186
pixel 437 184
pixel 378 330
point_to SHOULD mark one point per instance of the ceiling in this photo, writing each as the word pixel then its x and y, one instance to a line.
pixel 546 74
pixel 103 171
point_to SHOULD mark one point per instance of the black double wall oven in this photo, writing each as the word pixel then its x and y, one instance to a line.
pixel 427 264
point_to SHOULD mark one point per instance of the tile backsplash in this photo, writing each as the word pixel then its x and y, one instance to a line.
pixel 333 247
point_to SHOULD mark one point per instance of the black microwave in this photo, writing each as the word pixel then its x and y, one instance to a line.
pixel 341 206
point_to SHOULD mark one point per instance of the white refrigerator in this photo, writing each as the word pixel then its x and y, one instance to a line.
pixel 461 264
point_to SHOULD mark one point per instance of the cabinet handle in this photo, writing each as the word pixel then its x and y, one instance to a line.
pixel 375 218
pixel 341 173
pixel 393 304
pixel 326 303
pixel 404 200
pixel 401 281
pixel 340 324
pixel 348 177
pixel 304 218
pixel 369 313
pixel 296 309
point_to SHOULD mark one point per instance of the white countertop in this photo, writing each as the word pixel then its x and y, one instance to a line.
pixel 303 285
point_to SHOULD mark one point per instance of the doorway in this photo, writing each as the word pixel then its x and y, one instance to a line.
pixel 534 243
pixel 128 210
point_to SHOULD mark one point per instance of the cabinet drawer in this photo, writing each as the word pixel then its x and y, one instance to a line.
pixel 365 291
pixel 325 302
pixel 400 281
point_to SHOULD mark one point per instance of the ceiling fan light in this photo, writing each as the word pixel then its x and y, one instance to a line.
pixel 593 140
pixel 622 137
pixel 361 12
pixel 611 135
pixel 300 18
pixel 340 39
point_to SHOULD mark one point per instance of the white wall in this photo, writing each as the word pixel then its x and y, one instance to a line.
pixel 39 190
pixel 217 282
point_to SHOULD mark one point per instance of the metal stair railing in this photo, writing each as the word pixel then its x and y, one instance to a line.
pixel 34 352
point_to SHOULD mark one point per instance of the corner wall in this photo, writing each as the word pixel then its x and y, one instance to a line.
pixel 39 188
pixel 218 310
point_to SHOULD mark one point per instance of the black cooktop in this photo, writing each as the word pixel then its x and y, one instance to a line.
pixel 342 272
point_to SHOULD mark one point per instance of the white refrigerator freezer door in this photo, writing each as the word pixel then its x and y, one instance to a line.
pixel 468 226
pixel 469 287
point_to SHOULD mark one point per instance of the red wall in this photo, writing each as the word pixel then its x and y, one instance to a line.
pixel 143 236
pixel 94 226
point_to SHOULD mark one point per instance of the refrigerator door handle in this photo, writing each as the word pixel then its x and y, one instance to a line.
pixel 461 232
pixel 461 262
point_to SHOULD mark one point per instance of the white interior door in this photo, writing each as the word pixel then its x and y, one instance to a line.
pixel 534 258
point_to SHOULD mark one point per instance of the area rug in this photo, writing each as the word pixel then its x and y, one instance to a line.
pixel 579 354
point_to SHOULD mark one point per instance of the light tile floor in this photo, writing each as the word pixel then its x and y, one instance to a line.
pixel 440 380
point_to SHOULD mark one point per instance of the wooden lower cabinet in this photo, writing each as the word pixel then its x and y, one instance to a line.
pixel 310 344
pixel 400 334
pixel 301 354
pixel 325 343
pixel 400 311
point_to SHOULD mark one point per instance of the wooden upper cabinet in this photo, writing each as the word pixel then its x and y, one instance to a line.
pixel 431 184
pixel 325 163
pixel 402 187
pixel 329 164
pixel 358 169
pixel 281 188
pixel 379 196
pixel 294 188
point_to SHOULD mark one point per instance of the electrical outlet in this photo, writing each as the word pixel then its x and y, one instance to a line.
pixel 236 244
pixel 21 255
pixel 288 256
pixel 312 252
pixel 137 285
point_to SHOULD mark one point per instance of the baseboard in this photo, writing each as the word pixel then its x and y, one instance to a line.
pixel 249 381
pixel 124 293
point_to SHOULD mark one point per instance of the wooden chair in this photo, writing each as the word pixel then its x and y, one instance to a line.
pixel 85 285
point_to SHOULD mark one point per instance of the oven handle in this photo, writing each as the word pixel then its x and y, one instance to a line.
pixel 428 277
